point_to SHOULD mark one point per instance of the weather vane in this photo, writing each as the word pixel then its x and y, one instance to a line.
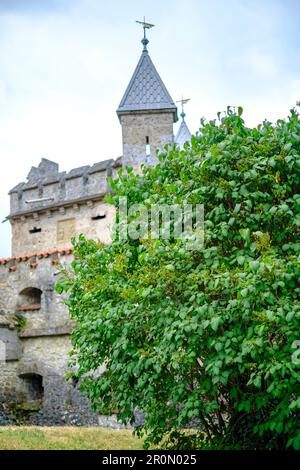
pixel 183 101
pixel 145 25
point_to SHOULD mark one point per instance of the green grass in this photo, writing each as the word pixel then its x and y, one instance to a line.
pixel 67 438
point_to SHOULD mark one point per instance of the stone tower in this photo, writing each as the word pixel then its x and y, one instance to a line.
pixel 146 113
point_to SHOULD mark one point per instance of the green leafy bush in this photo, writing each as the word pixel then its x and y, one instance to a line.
pixel 208 336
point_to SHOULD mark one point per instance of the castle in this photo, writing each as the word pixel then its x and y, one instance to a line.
pixel 45 212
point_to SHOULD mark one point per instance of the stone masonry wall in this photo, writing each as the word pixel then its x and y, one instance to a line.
pixel 57 227
pixel 136 127
pixel 61 402
pixel 38 273
pixel 39 350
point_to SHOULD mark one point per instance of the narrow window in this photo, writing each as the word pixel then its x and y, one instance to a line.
pixel 99 217
pixel 35 230
pixel 148 148
pixel 75 381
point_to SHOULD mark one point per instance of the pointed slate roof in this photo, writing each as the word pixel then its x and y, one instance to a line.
pixel 183 135
pixel 146 90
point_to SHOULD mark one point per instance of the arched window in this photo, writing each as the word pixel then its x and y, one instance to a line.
pixel 32 387
pixel 29 299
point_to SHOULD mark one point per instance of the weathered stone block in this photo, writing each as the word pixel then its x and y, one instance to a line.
pixel 12 346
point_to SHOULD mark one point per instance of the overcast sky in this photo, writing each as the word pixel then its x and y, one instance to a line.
pixel 65 64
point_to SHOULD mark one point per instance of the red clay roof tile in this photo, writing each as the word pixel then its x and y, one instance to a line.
pixel 44 254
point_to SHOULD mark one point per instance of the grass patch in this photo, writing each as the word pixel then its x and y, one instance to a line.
pixel 67 438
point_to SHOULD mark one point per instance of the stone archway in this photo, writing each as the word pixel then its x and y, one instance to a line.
pixel 29 299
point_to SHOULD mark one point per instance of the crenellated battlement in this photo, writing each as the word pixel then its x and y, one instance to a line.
pixel 47 188
pixel 52 206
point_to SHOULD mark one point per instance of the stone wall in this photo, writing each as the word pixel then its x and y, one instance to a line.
pixel 37 273
pixel 54 229
pixel 158 127
pixel 61 402
pixel 37 348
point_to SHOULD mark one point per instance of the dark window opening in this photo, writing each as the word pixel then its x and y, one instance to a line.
pixel 99 216
pixel 35 230
pixel 32 387
pixel 75 381
pixel 148 149
pixel 29 299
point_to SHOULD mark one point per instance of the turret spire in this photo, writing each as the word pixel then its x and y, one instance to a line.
pixel 183 135
pixel 146 90
pixel 146 112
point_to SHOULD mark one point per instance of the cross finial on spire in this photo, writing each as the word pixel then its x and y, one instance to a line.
pixel 183 101
pixel 146 25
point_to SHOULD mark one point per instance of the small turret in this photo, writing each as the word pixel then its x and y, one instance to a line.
pixel 146 112
pixel 183 135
